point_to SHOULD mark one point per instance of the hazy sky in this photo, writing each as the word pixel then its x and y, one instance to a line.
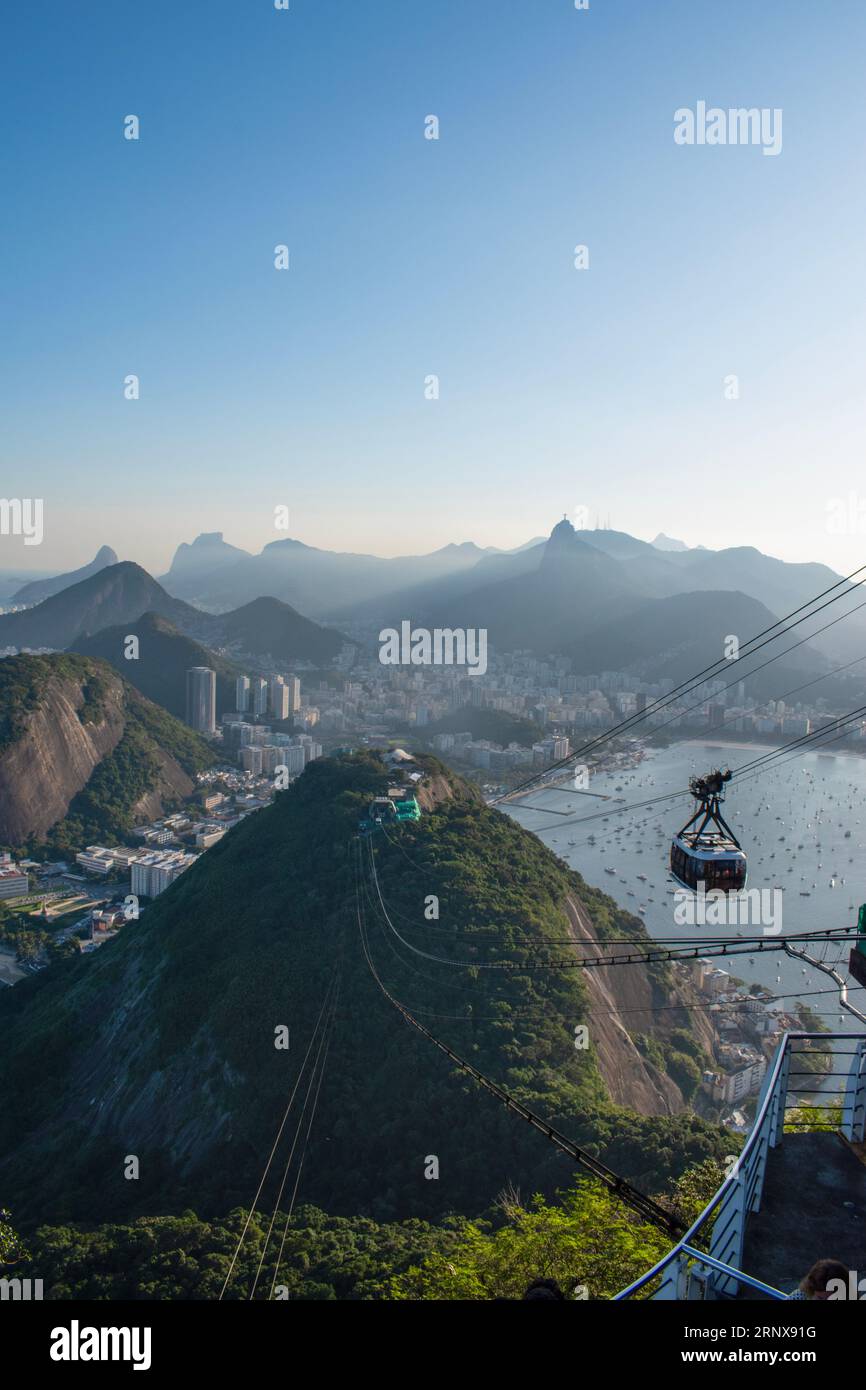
pixel 560 388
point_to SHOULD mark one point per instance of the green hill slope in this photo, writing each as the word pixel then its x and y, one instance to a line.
pixel 173 1057
pixel 165 656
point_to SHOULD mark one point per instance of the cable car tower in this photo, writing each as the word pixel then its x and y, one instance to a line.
pixel 706 850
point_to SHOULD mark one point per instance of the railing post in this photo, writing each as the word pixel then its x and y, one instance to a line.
pixel 761 1158
pixel 780 1098
pixel 670 1286
pixel 730 1250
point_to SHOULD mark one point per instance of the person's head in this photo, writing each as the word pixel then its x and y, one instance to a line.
pixel 544 1288
pixel 822 1273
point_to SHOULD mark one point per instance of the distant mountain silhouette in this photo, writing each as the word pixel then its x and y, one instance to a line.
pixel 538 599
pixel 541 598
pixel 663 542
pixel 679 636
pixel 269 627
pixel 544 598
pixel 321 583
pixel 39 589
pixel 119 596
pixel 207 554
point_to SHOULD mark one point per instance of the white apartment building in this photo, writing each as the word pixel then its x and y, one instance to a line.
pixel 13 883
pixel 153 873
pixel 740 1084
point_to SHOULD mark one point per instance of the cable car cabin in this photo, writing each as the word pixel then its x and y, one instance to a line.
pixel 706 850
pixel 857 962
pixel 715 861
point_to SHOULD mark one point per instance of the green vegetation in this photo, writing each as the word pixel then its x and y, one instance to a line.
pixel 165 656
pixel 29 936
pixel 590 1244
pixel 678 1055
pixel 188 749
pixel 24 681
pixel 814 1119
pixel 585 1240
pixel 103 809
pixel 183 1257
pixel 176 1018
pixel 12 1249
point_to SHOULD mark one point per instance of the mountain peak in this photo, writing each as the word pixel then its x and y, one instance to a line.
pixel 663 542
pixel 39 589
pixel 563 533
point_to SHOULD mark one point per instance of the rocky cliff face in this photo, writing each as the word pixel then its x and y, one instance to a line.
pixel 61 717
pixel 624 1003
pixel 172 784
pixel 55 756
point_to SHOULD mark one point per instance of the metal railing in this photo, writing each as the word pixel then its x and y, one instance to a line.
pixel 687 1272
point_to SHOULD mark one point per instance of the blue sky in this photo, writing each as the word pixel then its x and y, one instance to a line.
pixel 559 389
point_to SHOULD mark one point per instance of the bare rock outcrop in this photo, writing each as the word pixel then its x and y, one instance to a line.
pixel 624 995
pixel 43 769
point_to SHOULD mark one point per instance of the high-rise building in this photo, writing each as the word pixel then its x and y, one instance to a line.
pixel 279 698
pixel 717 715
pixel 272 758
pixel 293 759
pixel 259 695
pixel 250 760
pixel 201 699
pixel 242 695
pixel 294 688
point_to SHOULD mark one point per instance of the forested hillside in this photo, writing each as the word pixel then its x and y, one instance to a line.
pixel 162 1046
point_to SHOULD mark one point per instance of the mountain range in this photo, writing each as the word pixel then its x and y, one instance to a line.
pixel 603 597
pixel 119 595
pixel 544 596
pixel 321 583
